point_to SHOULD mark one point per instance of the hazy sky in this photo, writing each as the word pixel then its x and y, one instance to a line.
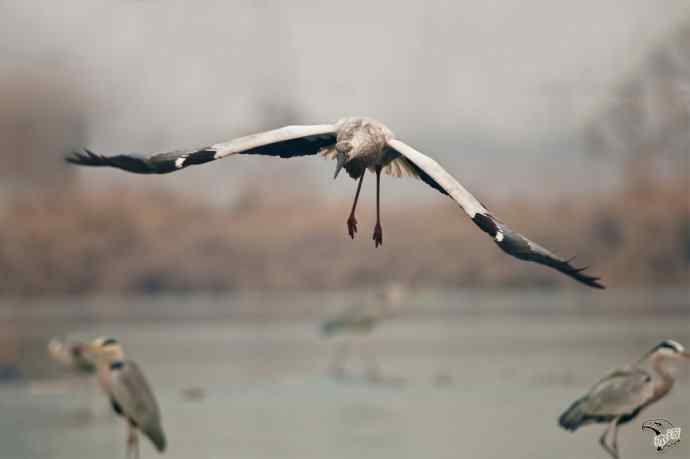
pixel 477 84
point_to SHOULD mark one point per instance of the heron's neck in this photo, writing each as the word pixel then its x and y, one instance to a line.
pixel 664 380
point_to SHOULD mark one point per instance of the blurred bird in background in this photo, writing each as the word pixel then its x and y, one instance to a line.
pixel 357 321
pixel 72 355
pixel 74 360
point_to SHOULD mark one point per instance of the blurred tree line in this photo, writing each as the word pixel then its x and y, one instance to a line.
pixel 41 118
pixel 647 126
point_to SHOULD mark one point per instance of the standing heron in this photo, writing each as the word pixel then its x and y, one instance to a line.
pixel 359 320
pixel 72 355
pixel 130 394
pixel 624 393
pixel 357 144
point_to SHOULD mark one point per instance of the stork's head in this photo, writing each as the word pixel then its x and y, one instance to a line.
pixel 669 349
pixel 343 155
pixel 106 349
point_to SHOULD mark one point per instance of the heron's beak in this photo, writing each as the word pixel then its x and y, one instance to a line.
pixel 340 157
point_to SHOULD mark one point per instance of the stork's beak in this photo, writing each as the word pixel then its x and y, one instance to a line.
pixel 340 157
pixel 685 354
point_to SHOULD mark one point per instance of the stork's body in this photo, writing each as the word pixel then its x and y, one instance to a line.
pixel 364 142
pixel 358 144
pixel 361 145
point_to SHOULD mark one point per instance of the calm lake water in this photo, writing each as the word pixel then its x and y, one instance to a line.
pixel 465 374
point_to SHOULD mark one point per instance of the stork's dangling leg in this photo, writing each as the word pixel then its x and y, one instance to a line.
pixel 378 231
pixel 352 221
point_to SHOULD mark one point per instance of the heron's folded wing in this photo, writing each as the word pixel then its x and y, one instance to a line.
pixel 286 142
pixel 509 241
pixel 132 392
pixel 621 392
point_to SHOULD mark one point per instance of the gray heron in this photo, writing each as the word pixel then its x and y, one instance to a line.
pixel 357 144
pixel 129 392
pixel 620 396
pixel 72 355
pixel 360 319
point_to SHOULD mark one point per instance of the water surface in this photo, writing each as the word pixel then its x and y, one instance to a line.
pixel 464 374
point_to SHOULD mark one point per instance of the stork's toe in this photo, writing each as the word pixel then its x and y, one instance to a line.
pixel 378 235
pixel 352 226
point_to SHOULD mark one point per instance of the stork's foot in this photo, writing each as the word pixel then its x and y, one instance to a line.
pixel 352 226
pixel 378 235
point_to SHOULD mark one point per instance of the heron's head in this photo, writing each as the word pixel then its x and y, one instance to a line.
pixel 669 349
pixel 343 155
pixel 106 349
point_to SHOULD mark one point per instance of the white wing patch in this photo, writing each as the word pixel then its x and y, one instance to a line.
pixel 400 167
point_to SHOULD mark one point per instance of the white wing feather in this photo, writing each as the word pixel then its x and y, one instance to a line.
pixel 509 241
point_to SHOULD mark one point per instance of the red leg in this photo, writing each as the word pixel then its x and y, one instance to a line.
pixel 352 221
pixel 378 231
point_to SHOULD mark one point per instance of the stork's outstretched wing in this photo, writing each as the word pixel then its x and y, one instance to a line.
pixel 286 142
pixel 509 241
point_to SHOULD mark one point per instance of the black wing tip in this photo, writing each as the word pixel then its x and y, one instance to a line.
pixel 577 274
pixel 520 247
pixel 86 157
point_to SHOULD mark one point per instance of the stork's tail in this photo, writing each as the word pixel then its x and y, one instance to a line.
pixel 573 417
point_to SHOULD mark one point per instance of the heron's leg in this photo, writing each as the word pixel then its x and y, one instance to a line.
pixel 602 440
pixel 338 362
pixel 614 442
pixel 372 364
pixel 378 231
pixel 131 440
pixel 352 221
pixel 136 444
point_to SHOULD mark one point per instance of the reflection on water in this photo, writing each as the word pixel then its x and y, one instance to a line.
pixel 465 374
